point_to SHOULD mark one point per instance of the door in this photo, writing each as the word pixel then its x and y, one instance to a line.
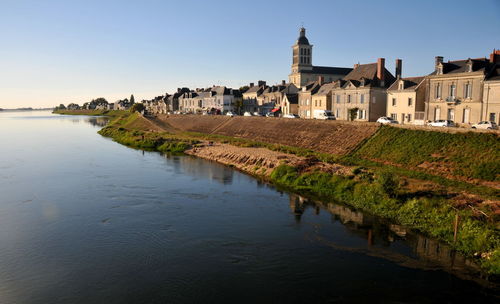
pixel 402 118
pixel 437 113
pixel 451 114
pixel 466 115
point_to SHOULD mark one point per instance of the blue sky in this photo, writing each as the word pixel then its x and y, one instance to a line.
pixel 71 51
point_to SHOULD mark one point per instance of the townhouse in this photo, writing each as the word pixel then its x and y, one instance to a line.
pixel 362 94
pixel 463 90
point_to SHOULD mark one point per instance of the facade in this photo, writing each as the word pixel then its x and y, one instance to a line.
pixel 457 90
pixel 305 98
pixel 362 94
pixel 217 99
pixel 406 100
pixel 252 98
pixel 491 96
pixel 303 72
pixel 290 104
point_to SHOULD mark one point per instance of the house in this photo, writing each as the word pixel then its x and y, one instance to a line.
pixel 322 100
pixel 406 99
pixel 305 96
pixel 458 90
pixel 290 104
pixel 303 72
pixel 252 98
pixel 491 92
pixel 123 104
pixel 362 94
pixel 272 97
pixel 172 101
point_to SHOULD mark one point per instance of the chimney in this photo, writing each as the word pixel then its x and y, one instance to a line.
pixel 399 68
pixel 495 56
pixel 356 65
pixel 321 80
pixel 283 83
pixel 381 70
pixel 178 90
pixel 251 84
pixel 261 83
pixel 439 59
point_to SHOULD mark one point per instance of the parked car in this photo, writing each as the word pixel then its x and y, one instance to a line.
pixel 442 123
pixel 323 114
pixel 270 114
pixel 290 116
pixel 386 120
pixel 489 125
pixel 247 114
pixel 256 114
pixel 229 113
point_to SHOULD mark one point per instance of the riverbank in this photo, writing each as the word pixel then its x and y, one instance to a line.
pixel 419 203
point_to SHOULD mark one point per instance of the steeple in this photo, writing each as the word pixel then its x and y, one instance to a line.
pixel 302 37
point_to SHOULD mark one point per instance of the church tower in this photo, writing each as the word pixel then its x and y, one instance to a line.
pixel 302 59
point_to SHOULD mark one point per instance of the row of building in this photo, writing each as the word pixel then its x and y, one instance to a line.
pixel 466 91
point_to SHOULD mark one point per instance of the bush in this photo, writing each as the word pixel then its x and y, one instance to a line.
pixel 137 107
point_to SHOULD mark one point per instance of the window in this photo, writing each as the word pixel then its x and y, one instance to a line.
pixel 348 98
pixel 320 102
pixel 338 98
pixel 394 102
pixel 438 91
pixel 467 90
pixel 410 101
pixel 394 116
pixel 362 98
pixel 409 117
pixel 453 90
pixel 493 117
pixel 401 85
pixel 437 113
pixel 337 113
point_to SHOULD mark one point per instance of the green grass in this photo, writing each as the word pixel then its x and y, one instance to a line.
pixel 110 113
pixel 474 155
pixel 381 196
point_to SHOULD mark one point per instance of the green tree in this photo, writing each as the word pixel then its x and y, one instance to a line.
pixel 137 107
pixel 132 99
pixel 353 113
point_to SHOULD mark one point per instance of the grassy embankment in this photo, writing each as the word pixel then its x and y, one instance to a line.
pixel 109 113
pixel 377 184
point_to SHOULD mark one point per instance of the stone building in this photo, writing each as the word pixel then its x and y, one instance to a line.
pixel 303 72
pixel 362 94
pixel 290 104
pixel 406 98
pixel 491 92
pixel 305 97
pixel 252 98
pixel 458 90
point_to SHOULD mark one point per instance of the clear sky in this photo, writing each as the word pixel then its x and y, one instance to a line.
pixel 55 52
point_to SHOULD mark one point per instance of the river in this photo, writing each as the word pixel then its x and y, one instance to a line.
pixel 86 220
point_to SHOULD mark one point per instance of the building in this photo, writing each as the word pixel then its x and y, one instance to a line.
pixel 305 97
pixel 406 98
pixel 252 98
pixel 464 91
pixel 303 72
pixel 491 92
pixel 362 94
pixel 272 97
pixel 290 104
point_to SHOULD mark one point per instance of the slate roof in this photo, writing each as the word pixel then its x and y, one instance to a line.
pixel 368 72
pixel 325 89
pixel 328 70
pixel 410 83
pixel 460 66
pixel 292 98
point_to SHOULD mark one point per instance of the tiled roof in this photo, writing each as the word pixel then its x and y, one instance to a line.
pixel 369 73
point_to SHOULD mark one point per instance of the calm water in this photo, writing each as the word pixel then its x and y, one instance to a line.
pixel 86 220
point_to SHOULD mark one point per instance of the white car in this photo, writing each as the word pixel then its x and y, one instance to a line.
pixel 256 114
pixel 270 114
pixel 386 120
pixel 442 123
pixel 247 114
pixel 488 125
pixel 229 113
pixel 290 116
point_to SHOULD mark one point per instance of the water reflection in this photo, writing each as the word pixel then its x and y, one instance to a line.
pixel 390 241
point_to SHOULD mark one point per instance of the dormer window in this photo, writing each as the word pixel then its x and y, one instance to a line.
pixel 468 67
pixel 362 82
pixel 439 69
pixel 401 85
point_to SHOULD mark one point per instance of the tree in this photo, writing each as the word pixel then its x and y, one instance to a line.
pixel 243 89
pixel 137 107
pixel 132 99
pixel 353 113
pixel 61 107
pixel 238 105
